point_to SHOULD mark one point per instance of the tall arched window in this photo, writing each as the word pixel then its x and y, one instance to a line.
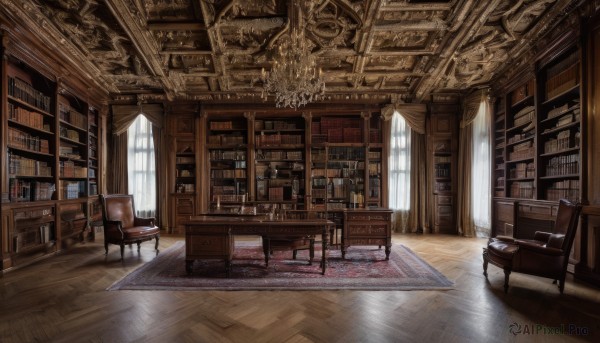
pixel 142 166
pixel 399 164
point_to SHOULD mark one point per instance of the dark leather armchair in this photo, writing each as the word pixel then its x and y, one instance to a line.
pixel 121 226
pixel 546 255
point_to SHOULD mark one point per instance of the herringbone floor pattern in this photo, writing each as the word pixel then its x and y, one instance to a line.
pixel 63 299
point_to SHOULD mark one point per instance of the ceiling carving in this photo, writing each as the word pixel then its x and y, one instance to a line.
pixel 214 50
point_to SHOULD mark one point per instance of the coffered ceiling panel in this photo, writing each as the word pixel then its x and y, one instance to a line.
pixel 216 50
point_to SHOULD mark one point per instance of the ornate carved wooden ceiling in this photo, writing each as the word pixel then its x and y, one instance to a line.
pixel 213 50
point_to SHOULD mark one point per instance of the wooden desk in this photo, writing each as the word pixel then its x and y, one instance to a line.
pixel 209 237
pixel 367 226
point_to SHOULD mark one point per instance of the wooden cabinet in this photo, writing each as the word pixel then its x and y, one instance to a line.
pixel 367 227
pixel 443 154
pixel 182 207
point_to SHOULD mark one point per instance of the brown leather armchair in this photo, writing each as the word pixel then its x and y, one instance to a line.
pixel 546 255
pixel 121 226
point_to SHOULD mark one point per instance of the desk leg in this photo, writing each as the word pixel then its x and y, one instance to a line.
pixel 324 252
pixel 267 249
pixel 388 249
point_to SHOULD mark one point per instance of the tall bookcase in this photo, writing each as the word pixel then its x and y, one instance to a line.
pixel 538 137
pixel 279 155
pixel 443 153
pixel 50 163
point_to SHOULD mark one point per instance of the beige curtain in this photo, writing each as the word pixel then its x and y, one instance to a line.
pixel 417 218
pixel 471 104
pixel 118 165
pixel 123 116
pixel 161 149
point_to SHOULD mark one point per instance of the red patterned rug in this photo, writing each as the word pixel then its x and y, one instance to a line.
pixel 364 268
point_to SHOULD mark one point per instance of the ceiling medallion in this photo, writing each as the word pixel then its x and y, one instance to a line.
pixel 294 78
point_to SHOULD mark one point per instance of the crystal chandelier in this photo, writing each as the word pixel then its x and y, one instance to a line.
pixel 294 78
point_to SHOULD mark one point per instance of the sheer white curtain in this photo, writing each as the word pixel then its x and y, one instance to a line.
pixel 399 171
pixel 142 166
pixel 481 171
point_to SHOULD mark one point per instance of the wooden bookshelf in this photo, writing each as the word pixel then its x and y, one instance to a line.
pixel 50 161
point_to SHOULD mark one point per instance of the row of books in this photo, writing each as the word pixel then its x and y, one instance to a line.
pixel 522 170
pixel 346 153
pixel 442 170
pixel 69 151
pixel 27 190
pixel 70 134
pixel 555 112
pixel 228 173
pixel 33 236
pixel 226 139
pixel 374 155
pixel 280 155
pixel 69 115
pixel 22 166
pixel 327 123
pixel 24 91
pixel 524 116
pixel 522 189
pixel 561 142
pixel 216 155
pixel 23 140
pixel 563 165
pixel 375 169
pixel 562 81
pixel 275 125
pixel 277 139
pixel 521 154
pixel 25 117
pixel 69 169
pixel 567 189
pixel 374 188
pixel 72 189
pixel 522 92
pixel 442 159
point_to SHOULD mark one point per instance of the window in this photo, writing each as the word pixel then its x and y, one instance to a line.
pixel 481 171
pixel 141 166
pixel 399 164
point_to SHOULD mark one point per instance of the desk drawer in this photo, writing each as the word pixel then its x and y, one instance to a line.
pixel 368 217
pixel 361 230
pixel 207 245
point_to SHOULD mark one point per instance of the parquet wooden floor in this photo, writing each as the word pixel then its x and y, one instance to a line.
pixel 63 299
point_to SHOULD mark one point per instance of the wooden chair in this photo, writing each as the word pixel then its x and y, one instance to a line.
pixel 546 255
pixel 121 226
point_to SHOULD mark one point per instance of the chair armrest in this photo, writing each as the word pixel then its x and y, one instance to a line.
pixel 541 236
pixel 538 248
pixel 144 221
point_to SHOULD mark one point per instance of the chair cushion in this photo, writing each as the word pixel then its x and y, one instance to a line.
pixel 140 231
pixel 502 249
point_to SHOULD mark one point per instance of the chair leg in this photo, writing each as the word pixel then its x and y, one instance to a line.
pixel 122 250
pixel 105 248
pixel 506 277
pixel 485 262
pixel 561 285
pixel 139 245
pixel 156 244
